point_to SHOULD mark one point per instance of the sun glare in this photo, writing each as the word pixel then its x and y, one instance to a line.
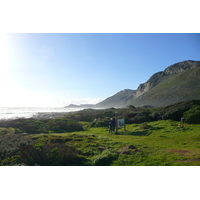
pixel 4 56
pixel 5 82
pixel 4 51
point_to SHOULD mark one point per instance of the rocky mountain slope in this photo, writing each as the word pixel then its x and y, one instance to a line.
pixel 178 82
pixel 115 100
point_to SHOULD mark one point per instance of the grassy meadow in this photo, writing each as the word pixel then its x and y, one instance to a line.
pixel 158 143
pixel 152 137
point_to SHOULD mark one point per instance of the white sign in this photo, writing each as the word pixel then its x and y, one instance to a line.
pixel 120 122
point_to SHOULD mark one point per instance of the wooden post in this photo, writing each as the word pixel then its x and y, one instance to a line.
pixel 124 125
pixel 116 122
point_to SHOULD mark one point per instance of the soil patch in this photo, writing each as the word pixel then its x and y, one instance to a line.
pixel 189 160
pixel 180 151
pixel 128 149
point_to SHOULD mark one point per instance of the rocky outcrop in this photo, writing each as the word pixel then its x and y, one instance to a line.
pixel 178 82
pixel 145 87
pixel 181 67
pixel 155 79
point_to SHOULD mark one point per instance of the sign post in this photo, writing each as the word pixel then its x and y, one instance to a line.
pixel 116 121
pixel 121 123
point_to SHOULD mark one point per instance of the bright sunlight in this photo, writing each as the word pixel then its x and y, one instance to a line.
pixel 4 56
pixel 6 85
pixel 4 51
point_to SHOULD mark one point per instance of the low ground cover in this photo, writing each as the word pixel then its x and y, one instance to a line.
pixel 158 143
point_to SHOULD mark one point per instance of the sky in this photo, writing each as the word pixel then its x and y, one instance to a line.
pixel 57 69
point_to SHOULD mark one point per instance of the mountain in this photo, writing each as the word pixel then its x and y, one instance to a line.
pixel 115 100
pixel 80 106
pixel 178 82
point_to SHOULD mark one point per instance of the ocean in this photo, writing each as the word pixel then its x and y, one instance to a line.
pixel 27 112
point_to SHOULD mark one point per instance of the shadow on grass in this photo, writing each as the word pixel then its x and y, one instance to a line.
pixel 138 132
pixel 145 133
pixel 134 133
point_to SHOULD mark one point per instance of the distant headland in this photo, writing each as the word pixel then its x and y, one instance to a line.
pixel 80 106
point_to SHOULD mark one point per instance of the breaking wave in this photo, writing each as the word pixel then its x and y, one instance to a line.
pixel 27 112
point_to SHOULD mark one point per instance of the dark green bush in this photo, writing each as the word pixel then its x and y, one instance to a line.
pixel 10 144
pixel 173 111
pixel 33 126
pixel 129 118
pixel 192 116
pixel 24 125
pixel 63 125
pixel 50 154
pixel 143 116
pixel 44 151
pixel 103 123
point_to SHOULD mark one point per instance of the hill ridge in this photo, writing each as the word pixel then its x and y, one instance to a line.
pixel 178 82
pixel 172 69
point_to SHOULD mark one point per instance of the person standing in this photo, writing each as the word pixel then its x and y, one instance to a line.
pixel 110 125
pixel 113 123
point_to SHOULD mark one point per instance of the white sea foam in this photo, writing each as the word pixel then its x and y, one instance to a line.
pixel 26 112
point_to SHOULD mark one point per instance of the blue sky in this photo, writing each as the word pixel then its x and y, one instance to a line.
pixel 61 68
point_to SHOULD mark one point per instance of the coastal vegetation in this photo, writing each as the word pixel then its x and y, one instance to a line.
pixel 152 137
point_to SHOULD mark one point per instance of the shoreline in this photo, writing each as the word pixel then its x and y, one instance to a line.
pixel 7 113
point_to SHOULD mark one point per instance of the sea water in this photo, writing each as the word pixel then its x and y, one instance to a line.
pixel 27 112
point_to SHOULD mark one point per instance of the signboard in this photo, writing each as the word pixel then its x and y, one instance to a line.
pixel 120 122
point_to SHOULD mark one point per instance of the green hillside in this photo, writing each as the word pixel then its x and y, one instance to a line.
pixel 115 100
pixel 178 82
pixel 172 89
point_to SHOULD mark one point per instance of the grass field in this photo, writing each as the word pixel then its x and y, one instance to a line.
pixel 159 143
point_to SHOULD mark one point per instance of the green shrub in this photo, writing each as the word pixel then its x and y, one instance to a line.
pixel 10 144
pixel 50 154
pixel 63 125
pixel 192 116
pixel 102 123
pixel 129 118
pixel 139 117
pixel 24 125
pixel 106 158
pixel 33 126
pixel 4 132
pixel 143 117
pixel 173 111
